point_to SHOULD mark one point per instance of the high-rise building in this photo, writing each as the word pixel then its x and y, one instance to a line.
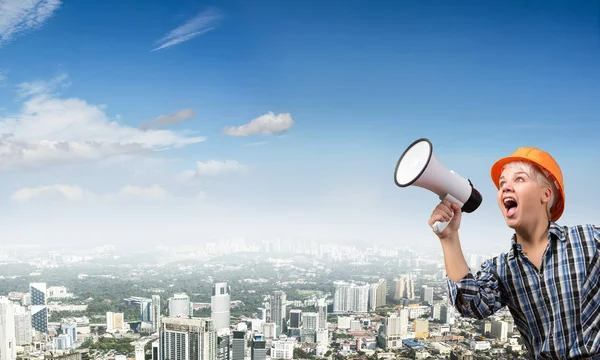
pixel 310 321
pixel 259 348
pixel 220 303
pixel 238 345
pixel 404 288
pixel 295 318
pixel 180 306
pixel 23 328
pixel 278 311
pixel 381 298
pixel 426 294
pixel 223 345
pixel 447 313
pixel 322 307
pixel 350 298
pixel 155 313
pixel 69 328
pixel 394 329
pixel 322 337
pixel 435 311
pixel 156 349
pixel 62 342
pixel 373 296
pixel 261 313
pixel 421 327
pixel 145 306
pixel 115 322
pixel 187 338
pixel 8 346
pixel 39 308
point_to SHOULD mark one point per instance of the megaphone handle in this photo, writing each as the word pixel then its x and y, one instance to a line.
pixel 439 226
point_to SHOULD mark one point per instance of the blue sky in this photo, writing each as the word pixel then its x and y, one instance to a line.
pixel 339 90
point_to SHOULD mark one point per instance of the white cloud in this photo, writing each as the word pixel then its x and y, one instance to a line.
pixel 76 193
pixel 21 16
pixel 211 168
pixel 67 191
pixel 164 120
pixel 215 167
pixel 268 123
pixel 198 25
pixel 51 130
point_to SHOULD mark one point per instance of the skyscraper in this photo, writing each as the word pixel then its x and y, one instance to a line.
pixel 238 345
pixel 220 303
pixel 404 287
pixel 23 328
pixel 278 311
pixel 39 309
pixel 322 306
pixel 155 313
pixel 427 294
pixel 223 345
pixel 180 306
pixel 8 350
pixel 295 318
pixel 145 306
pixel 187 338
pixel 350 298
pixel 259 348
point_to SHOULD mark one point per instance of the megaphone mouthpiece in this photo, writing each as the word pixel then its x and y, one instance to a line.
pixel 418 166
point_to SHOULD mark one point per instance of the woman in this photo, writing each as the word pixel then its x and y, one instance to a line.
pixel 550 277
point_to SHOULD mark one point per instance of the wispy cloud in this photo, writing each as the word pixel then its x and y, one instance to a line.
pixel 2 77
pixel 258 143
pixel 169 119
pixel 77 193
pixel 21 16
pixel 27 89
pixel 198 25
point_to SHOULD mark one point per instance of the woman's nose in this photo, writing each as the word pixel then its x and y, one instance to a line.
pixel 507 187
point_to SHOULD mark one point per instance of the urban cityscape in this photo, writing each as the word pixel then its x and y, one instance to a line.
pixel 238 301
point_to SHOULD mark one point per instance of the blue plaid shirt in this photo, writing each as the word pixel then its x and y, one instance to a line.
pixel 556 309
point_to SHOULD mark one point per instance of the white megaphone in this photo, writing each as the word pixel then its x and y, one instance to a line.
pixel 418 166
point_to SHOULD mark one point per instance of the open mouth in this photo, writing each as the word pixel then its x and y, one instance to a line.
pixel 510 205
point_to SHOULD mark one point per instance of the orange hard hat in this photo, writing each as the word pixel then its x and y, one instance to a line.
pixel 543 160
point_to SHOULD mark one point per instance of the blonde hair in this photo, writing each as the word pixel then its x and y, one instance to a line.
pixel 542 176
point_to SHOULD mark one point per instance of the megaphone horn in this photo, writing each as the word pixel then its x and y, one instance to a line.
pixel 418 166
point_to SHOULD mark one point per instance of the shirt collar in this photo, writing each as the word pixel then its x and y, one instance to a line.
pixel 555 232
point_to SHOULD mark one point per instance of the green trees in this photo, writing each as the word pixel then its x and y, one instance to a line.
pixel 122 346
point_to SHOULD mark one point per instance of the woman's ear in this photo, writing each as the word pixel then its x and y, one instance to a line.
pixel 547 195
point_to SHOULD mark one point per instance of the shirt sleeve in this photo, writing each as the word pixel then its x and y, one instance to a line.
pixel 477 296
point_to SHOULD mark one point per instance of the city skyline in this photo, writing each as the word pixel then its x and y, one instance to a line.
pixel 200 123
pixel 391 306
